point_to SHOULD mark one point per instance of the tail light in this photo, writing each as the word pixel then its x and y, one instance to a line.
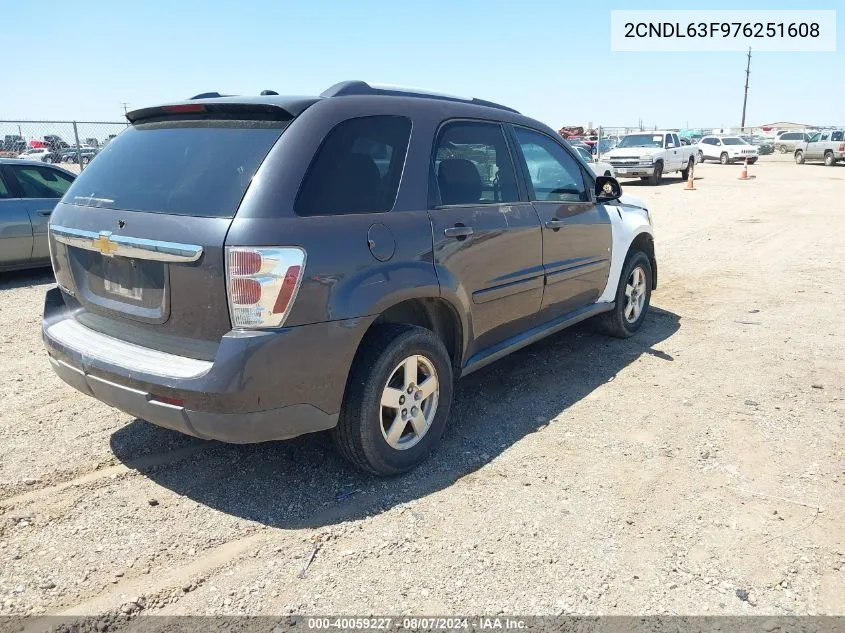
pixel 842 147
pixel 262 284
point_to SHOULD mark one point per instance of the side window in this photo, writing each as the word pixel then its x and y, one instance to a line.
pixel 472 165
pixel 792 136
pixel 716 141
pixel 41 182
pixel 670 142
pixel 825 136
pixel 837 136
pixel 4 190
pixel 357 168
pixel 814 138
pixel 676 140
pixel 555 175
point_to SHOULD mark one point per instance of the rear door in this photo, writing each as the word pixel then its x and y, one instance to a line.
pixel 486 235
pixel 139 237
pixel 15 227
pixel 41 187
pixel 577 234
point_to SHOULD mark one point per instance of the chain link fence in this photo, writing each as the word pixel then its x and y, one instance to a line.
pixel 70 143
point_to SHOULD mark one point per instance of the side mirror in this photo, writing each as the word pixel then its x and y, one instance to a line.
pixel 608 189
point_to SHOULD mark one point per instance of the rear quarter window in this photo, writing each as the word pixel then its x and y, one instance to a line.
pixel 357 168
pixel 198 168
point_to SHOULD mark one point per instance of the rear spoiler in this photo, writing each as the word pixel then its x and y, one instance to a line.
pixel 217 109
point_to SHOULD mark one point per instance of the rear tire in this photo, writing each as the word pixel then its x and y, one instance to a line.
pixel 362 434
pixel 829 160
pixel 627 317
pixel 799 157
pixel 48 160
pixel 724 158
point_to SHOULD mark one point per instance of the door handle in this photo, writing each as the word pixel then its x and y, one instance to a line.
pixel 45 212
pixel 459 231
pixel 555 224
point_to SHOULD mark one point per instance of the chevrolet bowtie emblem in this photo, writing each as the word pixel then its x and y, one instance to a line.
pixel 104 243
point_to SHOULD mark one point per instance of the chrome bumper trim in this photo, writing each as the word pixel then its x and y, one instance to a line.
pixel 108 349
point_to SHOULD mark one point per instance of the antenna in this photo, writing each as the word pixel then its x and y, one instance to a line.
pixel 745 98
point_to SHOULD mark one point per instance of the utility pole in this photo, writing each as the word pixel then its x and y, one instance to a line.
pixel 745 98
pixel 126 109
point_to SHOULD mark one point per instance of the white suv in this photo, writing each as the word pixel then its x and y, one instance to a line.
pixel 726 149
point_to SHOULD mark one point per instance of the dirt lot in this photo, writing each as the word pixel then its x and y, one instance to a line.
pixel 585 475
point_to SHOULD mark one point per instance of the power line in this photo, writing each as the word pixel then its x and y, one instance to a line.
pixel 745 98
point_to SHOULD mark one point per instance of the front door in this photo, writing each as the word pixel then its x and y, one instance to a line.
pixel 673 153
pixel 577 235
pixel 42 187
pixel 487 242
pixel 15 228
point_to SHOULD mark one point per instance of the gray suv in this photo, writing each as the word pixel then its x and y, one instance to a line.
pixel 827 146
pixel 254 268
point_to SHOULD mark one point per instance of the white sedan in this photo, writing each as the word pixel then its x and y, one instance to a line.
pixel 726 149
pixel 37 153
pixel 599 168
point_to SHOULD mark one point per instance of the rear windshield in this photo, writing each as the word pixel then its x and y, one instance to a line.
pixel 199 168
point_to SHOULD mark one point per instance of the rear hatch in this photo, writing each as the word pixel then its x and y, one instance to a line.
pixel 138 240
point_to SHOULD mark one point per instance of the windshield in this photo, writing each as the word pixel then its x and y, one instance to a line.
pixel 584 154
pixel 642 140
pixel 733 140
pixel 199 168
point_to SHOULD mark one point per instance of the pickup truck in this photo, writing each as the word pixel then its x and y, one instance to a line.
pixel 828 146
pixel 650 155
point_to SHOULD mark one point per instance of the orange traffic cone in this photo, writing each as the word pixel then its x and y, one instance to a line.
pixel 690 186
pixel 745 171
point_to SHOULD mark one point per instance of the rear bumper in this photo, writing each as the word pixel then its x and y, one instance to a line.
pixel 260 387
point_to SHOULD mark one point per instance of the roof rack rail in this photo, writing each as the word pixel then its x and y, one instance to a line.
pixel 345 88
pixel 207 95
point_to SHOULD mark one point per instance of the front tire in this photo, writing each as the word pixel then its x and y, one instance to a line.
pixel 829 160
pixel 397 400
pixel 724 158
pixel 633 297
pixel 700 156
pixel 685 172
pixel 799 157
pixel 48 159
pixel 657 174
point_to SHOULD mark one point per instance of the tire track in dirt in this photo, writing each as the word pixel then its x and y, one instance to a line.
pixel 139 464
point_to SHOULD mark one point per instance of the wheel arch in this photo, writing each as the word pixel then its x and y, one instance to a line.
pixel 432 313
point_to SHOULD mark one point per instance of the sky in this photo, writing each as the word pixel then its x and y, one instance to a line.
pixel 549 59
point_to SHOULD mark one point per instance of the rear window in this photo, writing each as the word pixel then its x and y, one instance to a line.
pixel 199 168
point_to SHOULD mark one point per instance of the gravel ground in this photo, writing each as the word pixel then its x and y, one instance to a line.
pixel 695 468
